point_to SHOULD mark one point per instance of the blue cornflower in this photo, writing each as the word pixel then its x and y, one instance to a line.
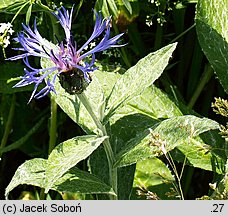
pixel 69 62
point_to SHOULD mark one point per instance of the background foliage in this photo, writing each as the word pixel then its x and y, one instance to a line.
pixel 183 155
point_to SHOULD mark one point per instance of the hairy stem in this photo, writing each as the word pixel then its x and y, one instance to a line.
pixel 53 126
pixel 107 146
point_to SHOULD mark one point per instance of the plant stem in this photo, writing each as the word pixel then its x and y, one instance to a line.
pixel 158 37
pixel 173 166
pixel 107 146
pixel 53 126
pixel 8 123
pixel 207 74
pixel 123 49
pixel 15 16
pixel 52 137
pixel 183 33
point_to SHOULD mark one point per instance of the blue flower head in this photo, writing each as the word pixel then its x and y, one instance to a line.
pixel 69 63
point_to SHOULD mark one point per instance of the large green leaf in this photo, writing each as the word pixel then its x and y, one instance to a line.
pixel 32 172
pixel 212 30
pixel 151 107
pixel 152 102
pixel 152 172
pixel 77 181
pixel 138 78
pixel 153 179
pixel 140 113
pixel 107 76
pixel 68 154
pixel 206 152
pixel 163 137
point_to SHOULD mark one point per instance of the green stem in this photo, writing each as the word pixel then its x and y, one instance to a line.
pixel 8 123
pixel 107 146
pixel 45 7
pixel 183 33
pixel 53 126
pixel 172 164
pixel 158 37
pixel 124 57
pixel 15 16
pixel 52 136
pixel 55 30
pixel 123 50
pixel 88 107
pixel 207 74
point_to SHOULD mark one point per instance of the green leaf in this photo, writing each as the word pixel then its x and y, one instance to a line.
pixel 152 172
pixel 97 160
pixel 125 181
pixel 153 179
pixel 128 127
pixel 127 5
pixel 31 172
pixel 211 26
pixel 206 152
pixel 140 113
pixel 101 5
pixel 77 181
pixel 151 102
pixel 162 138
pixel 107 76
pixel 28 14
pixel 138 78
pixel 113 7
pixel 68 154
